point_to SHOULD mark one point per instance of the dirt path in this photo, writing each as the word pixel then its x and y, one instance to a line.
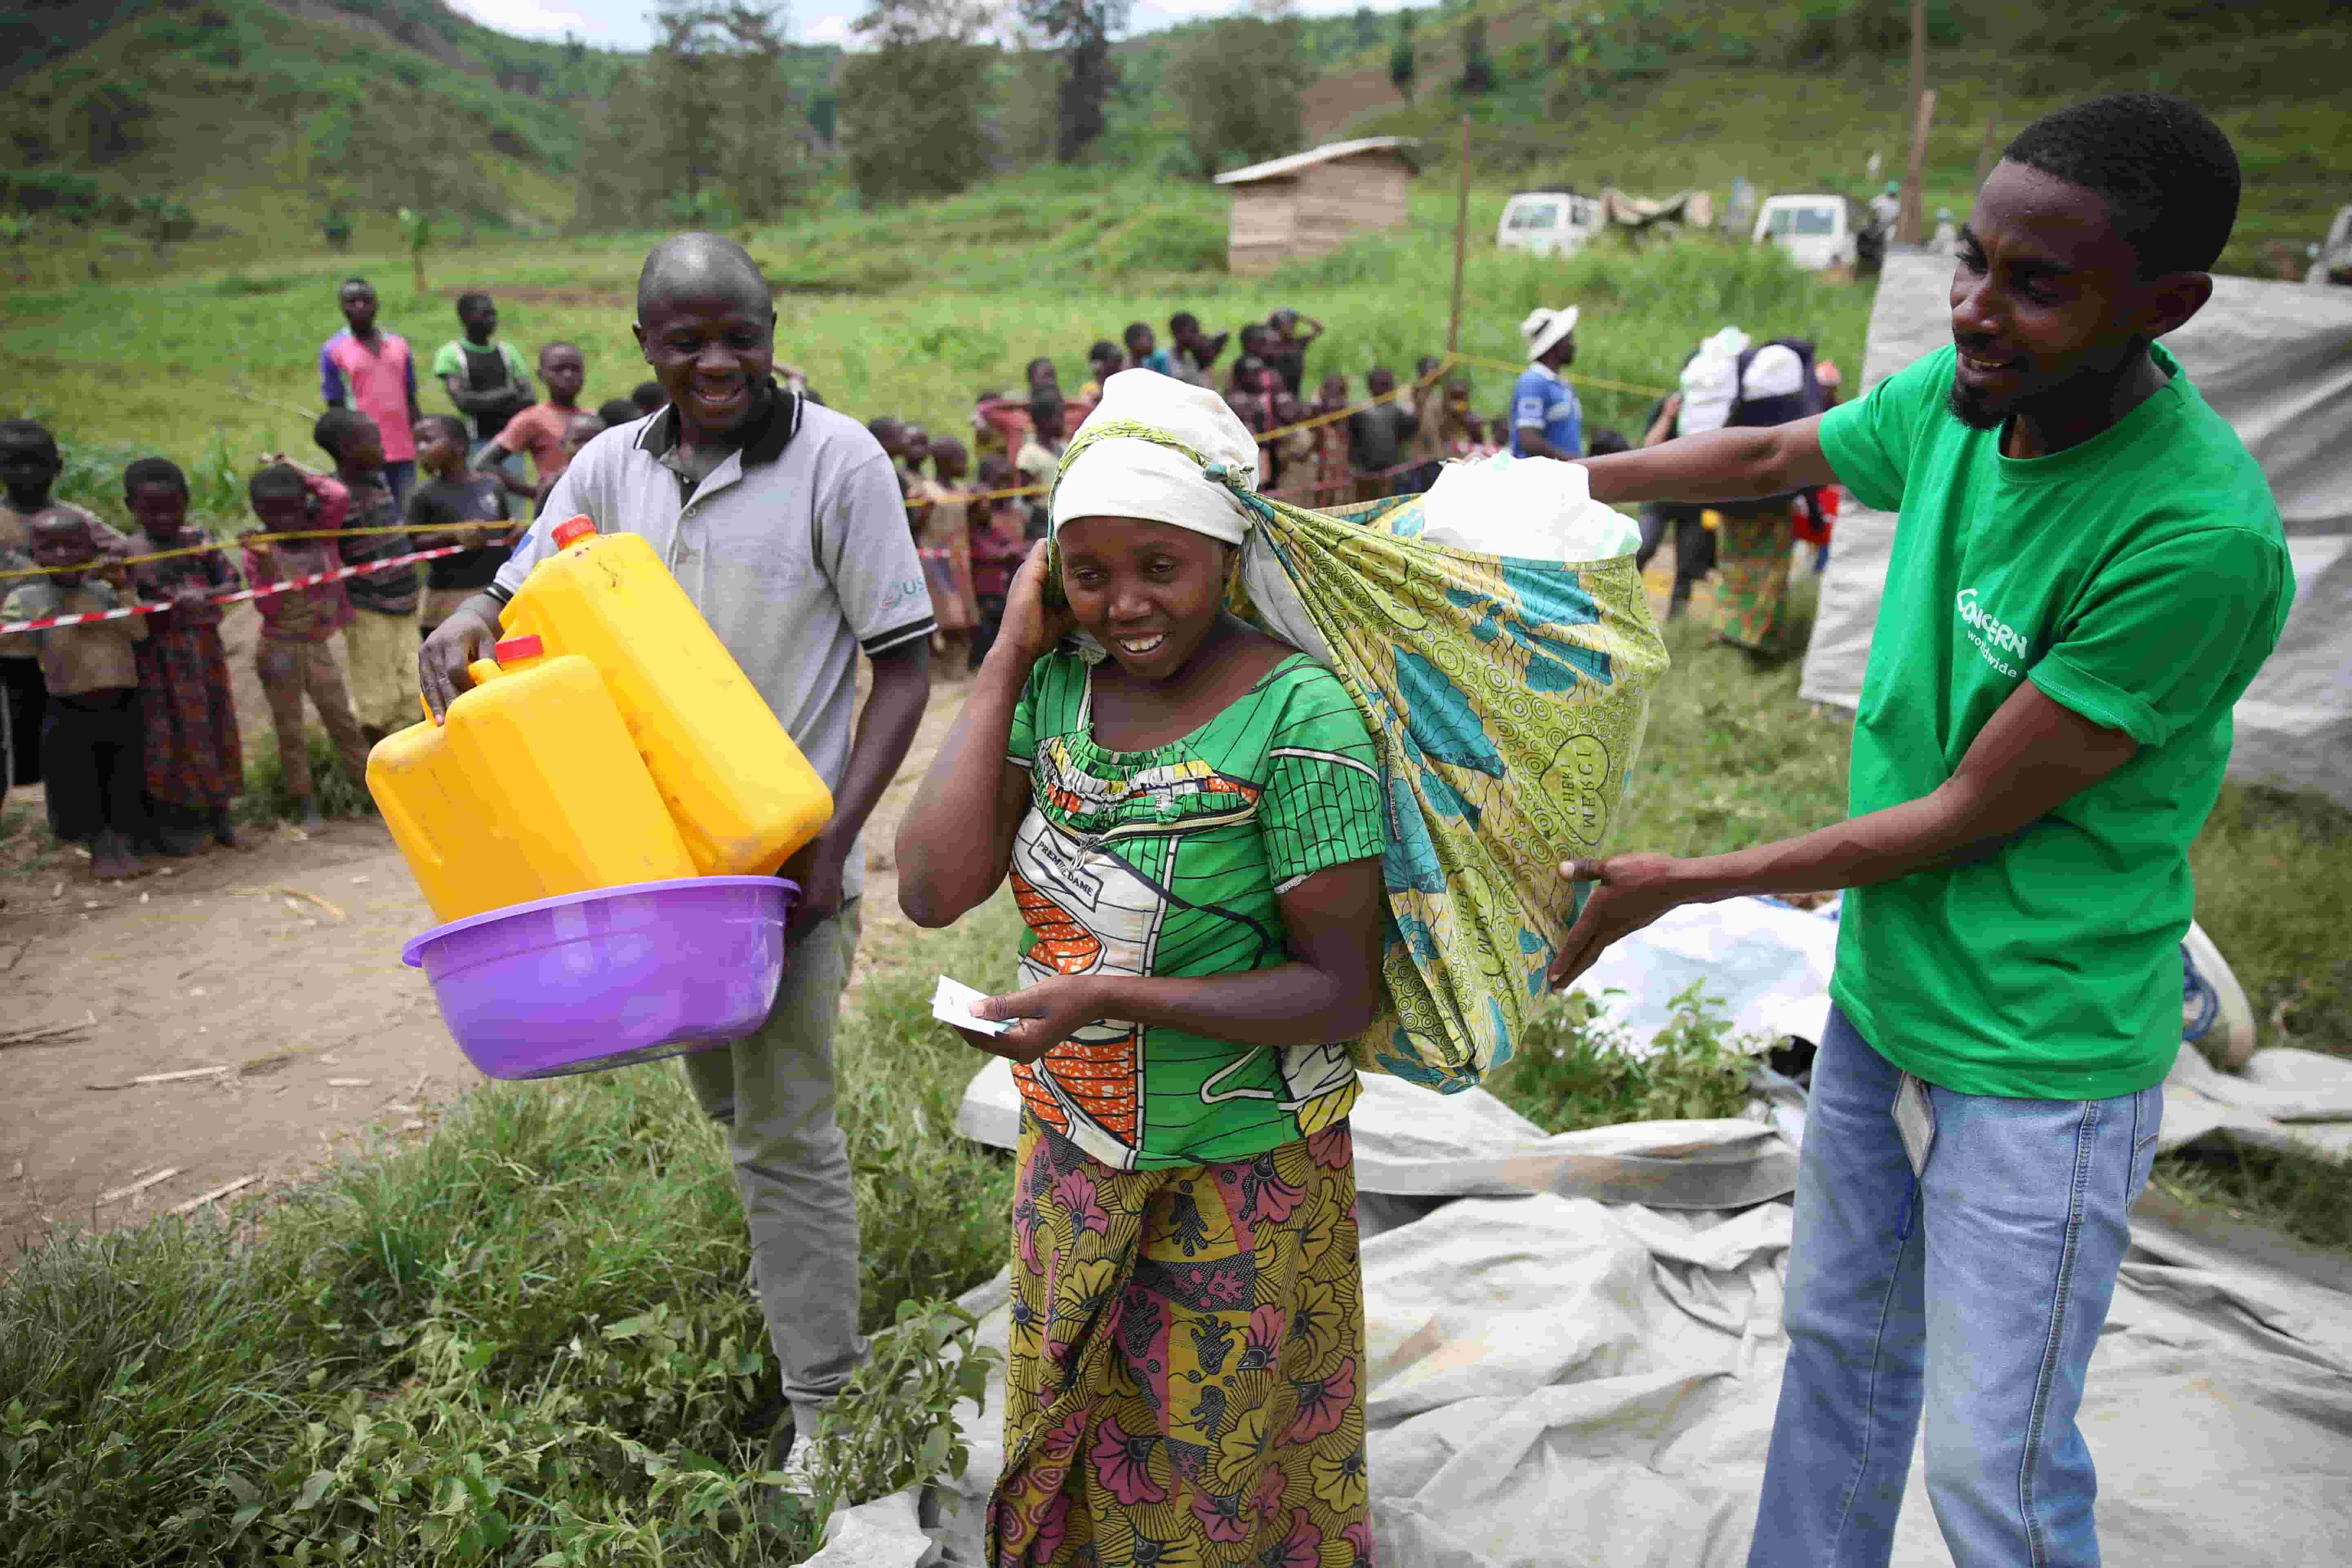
pixel 227 963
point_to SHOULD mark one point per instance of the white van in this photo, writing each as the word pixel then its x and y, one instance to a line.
pixel 1548 223
pixel 1817 231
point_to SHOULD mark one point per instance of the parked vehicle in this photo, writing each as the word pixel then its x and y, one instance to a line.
pixel 1817 231
pixel 2331 259
pixel 1548 223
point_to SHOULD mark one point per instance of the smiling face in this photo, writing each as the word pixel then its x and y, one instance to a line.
pixel 2047 306
pixel 1148 592
pixel 712 341
pixel 159 508
pixel 358 302
pixel 564 370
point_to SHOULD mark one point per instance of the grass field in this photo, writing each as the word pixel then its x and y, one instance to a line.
pixel 910 313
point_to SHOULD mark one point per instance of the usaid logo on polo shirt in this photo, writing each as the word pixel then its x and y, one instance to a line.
pixel 1999 642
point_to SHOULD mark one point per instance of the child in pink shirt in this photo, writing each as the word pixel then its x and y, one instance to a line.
pixel 366 368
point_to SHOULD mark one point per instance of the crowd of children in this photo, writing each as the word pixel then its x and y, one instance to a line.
pixel 130 720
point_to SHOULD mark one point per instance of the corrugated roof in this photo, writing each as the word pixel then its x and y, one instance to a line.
pixel 1278 168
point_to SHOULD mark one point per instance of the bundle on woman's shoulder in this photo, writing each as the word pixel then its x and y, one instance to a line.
pixel 1496 637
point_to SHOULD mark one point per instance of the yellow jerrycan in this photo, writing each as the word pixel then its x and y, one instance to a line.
pixel 742 796
pixel 531 789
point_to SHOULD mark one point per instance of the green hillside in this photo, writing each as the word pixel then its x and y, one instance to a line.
pixel 1797 94
pixel 260 119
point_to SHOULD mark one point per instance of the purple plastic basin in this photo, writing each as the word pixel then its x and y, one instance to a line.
pixel 605 978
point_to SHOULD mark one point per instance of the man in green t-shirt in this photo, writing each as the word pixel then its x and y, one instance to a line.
pixel 2088 570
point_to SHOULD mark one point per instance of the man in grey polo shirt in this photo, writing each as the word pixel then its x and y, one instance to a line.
pixel 783 521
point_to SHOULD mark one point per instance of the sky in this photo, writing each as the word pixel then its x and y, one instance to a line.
pixel 621 24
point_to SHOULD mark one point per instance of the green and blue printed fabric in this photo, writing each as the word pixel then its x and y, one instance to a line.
pixel 1506 698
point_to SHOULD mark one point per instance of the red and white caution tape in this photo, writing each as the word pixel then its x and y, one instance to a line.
pixel 310 580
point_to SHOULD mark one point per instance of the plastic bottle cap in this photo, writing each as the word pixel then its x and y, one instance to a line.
pixel 572 530
pixel 515 649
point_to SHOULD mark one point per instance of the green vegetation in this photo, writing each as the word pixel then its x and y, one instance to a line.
pixel 525 1332
pixel 257 121
pixel 1797 94
pixel 1569 1073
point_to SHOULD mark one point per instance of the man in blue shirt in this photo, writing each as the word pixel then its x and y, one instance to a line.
pixel 1546 420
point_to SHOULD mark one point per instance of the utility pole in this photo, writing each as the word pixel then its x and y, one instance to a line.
pixel 1461 238
pixel 1906 220
pixel 1985 150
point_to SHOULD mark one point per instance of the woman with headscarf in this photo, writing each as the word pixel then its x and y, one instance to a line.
pixel 1190 813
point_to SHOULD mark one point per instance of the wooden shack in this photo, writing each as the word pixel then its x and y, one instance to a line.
pixel 1316 201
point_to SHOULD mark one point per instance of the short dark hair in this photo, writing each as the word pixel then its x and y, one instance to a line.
pixel 2166 173
pixel 153 471
pixel 448 424
pixel 278 479
pixel 1183 322
pixel 337 426
pixel 1134 327
pixel 349 282
pixel 647 395
pixel 1104 349
pixel 469 303
pixel 30 430
pixel 1604 442
pixel 548 348
pixel 618 411
pixel 1044 408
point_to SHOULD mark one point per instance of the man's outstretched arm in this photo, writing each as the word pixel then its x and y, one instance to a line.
pixel 1720 465
pixel 2032 756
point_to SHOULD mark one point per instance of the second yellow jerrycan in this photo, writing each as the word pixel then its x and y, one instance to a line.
pixel 533 788
pixel 743 796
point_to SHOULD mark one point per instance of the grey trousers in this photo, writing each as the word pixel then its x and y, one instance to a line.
pixel 774 1093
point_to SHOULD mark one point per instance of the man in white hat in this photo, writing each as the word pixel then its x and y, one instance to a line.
pixel 1546 420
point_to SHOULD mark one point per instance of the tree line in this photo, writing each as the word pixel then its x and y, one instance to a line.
pixel 722 121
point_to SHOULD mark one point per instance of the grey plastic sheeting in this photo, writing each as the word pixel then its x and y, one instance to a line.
pixel 2276 360
pixel 1561 1383
pixel 1413 1143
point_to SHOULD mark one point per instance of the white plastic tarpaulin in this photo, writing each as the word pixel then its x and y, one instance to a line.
pixel 2274 359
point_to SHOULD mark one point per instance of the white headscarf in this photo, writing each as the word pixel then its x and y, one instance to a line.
pixel 1121 476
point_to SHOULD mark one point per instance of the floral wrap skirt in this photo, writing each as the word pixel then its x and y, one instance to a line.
pixel 1186 1379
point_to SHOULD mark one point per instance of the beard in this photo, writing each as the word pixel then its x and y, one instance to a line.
pixel 1972 409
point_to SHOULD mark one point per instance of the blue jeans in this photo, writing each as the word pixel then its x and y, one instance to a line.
pixel 1978 1294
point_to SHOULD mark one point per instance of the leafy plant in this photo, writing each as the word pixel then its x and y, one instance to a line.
pixel 895 1424
pixel 1574 1071
pixel 336 226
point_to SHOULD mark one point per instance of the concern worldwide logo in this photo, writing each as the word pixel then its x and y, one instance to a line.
pixel 2001 643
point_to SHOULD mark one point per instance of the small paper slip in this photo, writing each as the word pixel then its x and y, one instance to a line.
pixel 951 1002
